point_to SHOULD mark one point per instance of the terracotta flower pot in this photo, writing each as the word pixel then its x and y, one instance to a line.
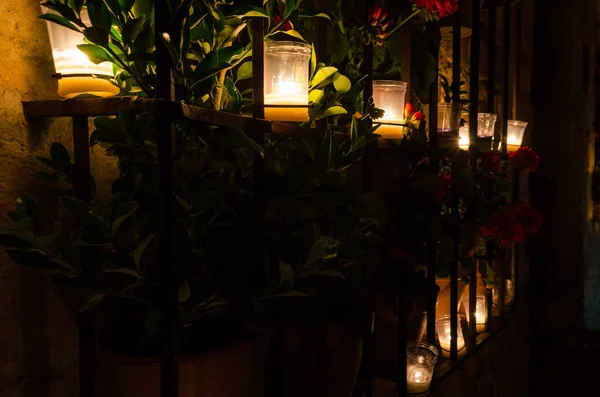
pixel 344 352
pixel 232 371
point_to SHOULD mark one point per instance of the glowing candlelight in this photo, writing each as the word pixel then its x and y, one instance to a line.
pixel 445 338
pixel 78 74
pixel 481 312
pixel 390 96
pixel 463 137
pixel 286 80
pixel 420 362
pixel 514 135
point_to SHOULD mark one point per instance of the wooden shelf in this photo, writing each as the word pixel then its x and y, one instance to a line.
pixel 92 107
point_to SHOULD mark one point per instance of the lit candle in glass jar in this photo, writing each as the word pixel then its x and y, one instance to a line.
pixel 286 80
pixel 463 137
pixel 78 75
pixel 389 96
pixel 481 312
pixel 420 362
pixel 514 134
pixel 444 335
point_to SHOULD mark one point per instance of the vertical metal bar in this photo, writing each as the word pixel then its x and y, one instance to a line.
pixel 456 35
pixel 367 185
pixel 474 82
pixel 258 69
pixel 506 73
pixel 473 281
pixel 432 244
pixel 491 94
pixel 87 329
pixel 321 52
pixel 168 271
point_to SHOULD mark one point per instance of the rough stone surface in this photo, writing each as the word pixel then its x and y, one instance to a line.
pixel 38 338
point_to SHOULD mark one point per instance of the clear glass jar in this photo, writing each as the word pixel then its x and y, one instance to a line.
pixel 390 95
pixel 463 137
pixel 448 118
pixel 485 125
pixel 286 70
pixel 442 325
pixel 481 311
pixel 515 133
pixel 78 75
pixel 420 364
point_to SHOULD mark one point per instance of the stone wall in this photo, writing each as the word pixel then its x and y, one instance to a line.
pixel 38 338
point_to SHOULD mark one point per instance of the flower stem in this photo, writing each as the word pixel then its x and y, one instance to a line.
pixel 391 32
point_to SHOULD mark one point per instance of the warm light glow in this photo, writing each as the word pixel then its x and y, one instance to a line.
pixel 481 312
pixel 389 96
pixel 444 335
pixel 286 80
pixel 420 362
pixel 69 60
pixel 515 133
pixel 463 137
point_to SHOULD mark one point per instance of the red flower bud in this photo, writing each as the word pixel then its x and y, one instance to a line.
pixel 375 11
pixel 419 116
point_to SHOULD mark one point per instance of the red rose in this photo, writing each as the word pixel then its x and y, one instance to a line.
pixel 530 217
pixel 429 5
pixel 285 26
pixel 524 158
pixel 419 116
pixel 446 7
pixel 490 162
pixel 408 110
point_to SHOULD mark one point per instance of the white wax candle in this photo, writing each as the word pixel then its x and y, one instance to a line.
pixel 418 380
pixel 388 130
pixel 284 97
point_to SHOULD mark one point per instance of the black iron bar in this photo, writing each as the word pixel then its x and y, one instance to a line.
pixel 474 81
pixel 506 74
pixel 367 186
pixel 87 328
pixel 491 94
pixel 432 244
pixel 168 271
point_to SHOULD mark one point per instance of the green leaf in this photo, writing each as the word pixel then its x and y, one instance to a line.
pixel 114 7
pixel 316 96
pixel 289 8
pixel 92 301
pixel 38 259
pixel 124 270
pixel 324 248
pixel 341 83
pixel 125 211
pixel 249 11
pixel 333 111
pixel 330 273
pixel 140 248
pixel 184 291
pixel 323 75
pixel 83 212
pixel 28 206
pixel 15 239
pixel 60 155
pixel 244 71
pixel 292 33
pixel 97 36
pixel 132 30
pixel 287 274
pixel 313 61
pixel 59 20
pixel 95 53
pixel 317 15
pixel 64 10
pixel 235 137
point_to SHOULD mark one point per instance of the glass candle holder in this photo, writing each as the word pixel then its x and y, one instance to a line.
pixel 77 74
pixel 485 125
pixel 286 80
pixel 448 118
pixel 390 96
pixel 509 293
pixel 481 312
pixel 442 325
pixel 514 135
pixel 420 363
pixel 463 137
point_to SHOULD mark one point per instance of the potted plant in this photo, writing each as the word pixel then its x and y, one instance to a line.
pixel 108 262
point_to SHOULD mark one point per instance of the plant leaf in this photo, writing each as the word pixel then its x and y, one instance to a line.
pixel 59 20
pixel 289 8
pixel 333 111
pixel 244 71
pixel 322 75
pixel 97 36
pixel 316 96
pixel 95 53
pixel 132 30
pixel 184 291
pixel 139 250
pixel 341 83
